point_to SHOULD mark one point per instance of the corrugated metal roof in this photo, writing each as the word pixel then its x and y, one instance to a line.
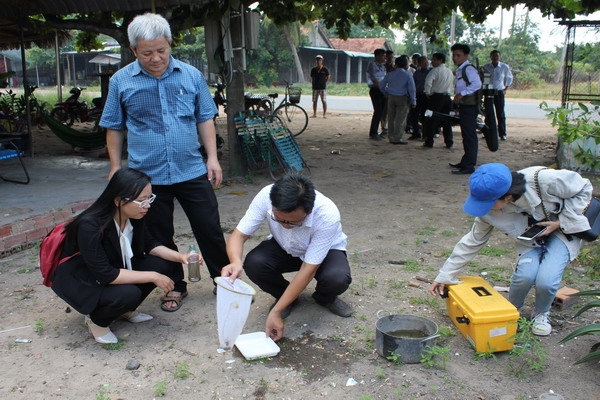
pixel 325 50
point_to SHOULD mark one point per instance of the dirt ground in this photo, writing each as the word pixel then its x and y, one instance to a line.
pixel 401 209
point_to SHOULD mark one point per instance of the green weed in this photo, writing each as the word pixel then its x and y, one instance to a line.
pixel 448 233
pixel 160 388
pixel 493 251
pixel 380 374
pixel 395 358
pixel 429 301
pixel 412 265
pixel 39 326
pixel 446 332
pixel 25 270
pixel 435 356
pixel 182 370
pixel 427 231
pixel 528 355
pixel 102 395
pixel 114 346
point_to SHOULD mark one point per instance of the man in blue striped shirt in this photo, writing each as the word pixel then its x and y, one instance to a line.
pixel 162 105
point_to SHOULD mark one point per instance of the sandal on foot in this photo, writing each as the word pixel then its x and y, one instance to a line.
pixel 175 298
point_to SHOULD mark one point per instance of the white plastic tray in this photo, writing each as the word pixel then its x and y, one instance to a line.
pixel 256 345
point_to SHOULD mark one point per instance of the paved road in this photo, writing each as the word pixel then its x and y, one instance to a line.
pixel 528 109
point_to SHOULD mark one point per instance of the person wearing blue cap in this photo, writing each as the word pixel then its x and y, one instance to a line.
pixel 511 202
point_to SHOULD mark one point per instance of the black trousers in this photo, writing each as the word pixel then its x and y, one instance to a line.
pixel 468 130
pixel 415 115
pixel 378 101
pixel 267 262
pixel 116 300
pixel 199 202
pixel 442 103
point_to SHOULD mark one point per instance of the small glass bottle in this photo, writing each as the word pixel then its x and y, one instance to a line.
pixel 193 258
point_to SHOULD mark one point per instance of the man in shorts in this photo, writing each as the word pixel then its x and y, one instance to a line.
pixel 319 75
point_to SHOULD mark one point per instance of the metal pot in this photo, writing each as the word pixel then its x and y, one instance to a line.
pixel 404 335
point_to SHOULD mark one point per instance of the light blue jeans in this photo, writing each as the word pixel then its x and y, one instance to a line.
pixel 543 268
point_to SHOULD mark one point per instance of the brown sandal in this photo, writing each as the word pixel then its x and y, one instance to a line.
pixel 178 298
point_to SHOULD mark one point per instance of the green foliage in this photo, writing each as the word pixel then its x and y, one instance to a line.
pixel 590 329
pixel 160 388
pixel 41 57
pixel 435 356
pixel 87 41
pixel 580 122
pixel 589 257
pixel 528 355
pixel 182 370
pixel 273 53
pixel 114 346
pixel 395 358
pixel 39 327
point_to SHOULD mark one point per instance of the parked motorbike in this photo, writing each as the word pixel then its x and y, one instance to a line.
pixel 71 110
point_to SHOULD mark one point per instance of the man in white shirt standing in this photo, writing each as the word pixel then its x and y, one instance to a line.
pixel 439 83
pixel 306 236
pixel 501 79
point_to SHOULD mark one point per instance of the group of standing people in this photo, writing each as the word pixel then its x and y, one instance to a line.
pixel 122 246
pixel 403 94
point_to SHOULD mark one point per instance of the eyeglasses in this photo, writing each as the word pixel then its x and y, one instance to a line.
pixel 144 203
pixel 293 224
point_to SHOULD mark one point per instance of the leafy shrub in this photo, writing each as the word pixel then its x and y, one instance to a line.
pixel 591 329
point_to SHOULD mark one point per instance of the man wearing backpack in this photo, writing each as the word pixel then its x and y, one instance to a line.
pixel 501 79
pixel 466 93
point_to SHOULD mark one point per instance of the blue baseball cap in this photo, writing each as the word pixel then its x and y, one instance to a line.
pixel 487 184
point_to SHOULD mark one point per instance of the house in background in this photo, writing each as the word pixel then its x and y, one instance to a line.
pixel 346 60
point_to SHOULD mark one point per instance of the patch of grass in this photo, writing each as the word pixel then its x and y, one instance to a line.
pixel 443 254
pixel 412 265
pixel 493 251
pixel 369 282
pixel 429 301
pixel 380 374
pixel 427 231
pixel 40 326
pixel 395 358
pixel 102 395
pixel 481 356
pixel 182 370
pixel 25 270
pixel 114 346
pixel 160 388
pixel 448 233
pixel 435 356
pixel 528 356
pixel 446 332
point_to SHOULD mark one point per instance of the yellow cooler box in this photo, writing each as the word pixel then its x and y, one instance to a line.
pixel 483 316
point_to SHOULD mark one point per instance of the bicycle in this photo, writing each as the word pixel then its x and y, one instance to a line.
pixel 289 112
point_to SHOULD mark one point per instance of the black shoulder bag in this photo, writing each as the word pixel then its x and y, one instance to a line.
pixel 591 212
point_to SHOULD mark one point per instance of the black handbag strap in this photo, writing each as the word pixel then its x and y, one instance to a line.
pixel 539 192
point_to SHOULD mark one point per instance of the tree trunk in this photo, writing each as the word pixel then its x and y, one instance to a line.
pixel 288 36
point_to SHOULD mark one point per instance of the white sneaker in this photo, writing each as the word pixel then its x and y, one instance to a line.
pixel 101 335
pixel 135 317
pixel 541 325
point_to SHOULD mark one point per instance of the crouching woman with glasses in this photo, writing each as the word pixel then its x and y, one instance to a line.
pixel 116 263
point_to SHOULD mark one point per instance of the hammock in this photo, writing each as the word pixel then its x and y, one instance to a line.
pixel 84 140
